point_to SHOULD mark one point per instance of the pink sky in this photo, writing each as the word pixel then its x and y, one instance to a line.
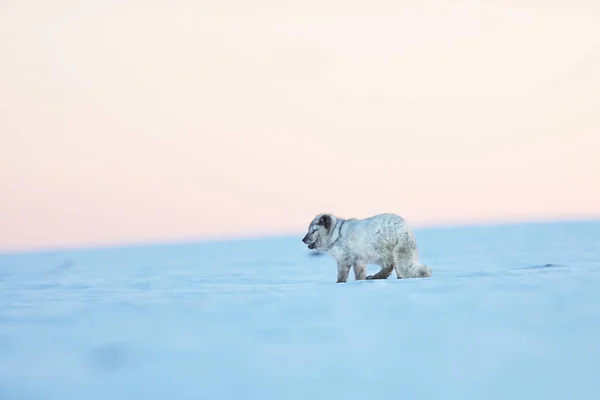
pixel 131 121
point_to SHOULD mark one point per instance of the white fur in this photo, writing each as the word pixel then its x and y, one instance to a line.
pixel 383 239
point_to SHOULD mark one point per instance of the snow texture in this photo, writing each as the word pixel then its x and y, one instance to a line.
pixel 511 312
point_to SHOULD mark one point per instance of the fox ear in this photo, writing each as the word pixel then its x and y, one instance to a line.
pixel 325 220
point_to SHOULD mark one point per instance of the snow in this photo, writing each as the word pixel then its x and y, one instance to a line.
pixel 511 312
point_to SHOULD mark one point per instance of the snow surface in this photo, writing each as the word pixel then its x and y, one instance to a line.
pixel 511 312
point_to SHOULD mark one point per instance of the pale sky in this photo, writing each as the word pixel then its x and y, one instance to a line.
pixel 127 121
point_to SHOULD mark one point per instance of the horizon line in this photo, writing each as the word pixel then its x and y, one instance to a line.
pixel 245 237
